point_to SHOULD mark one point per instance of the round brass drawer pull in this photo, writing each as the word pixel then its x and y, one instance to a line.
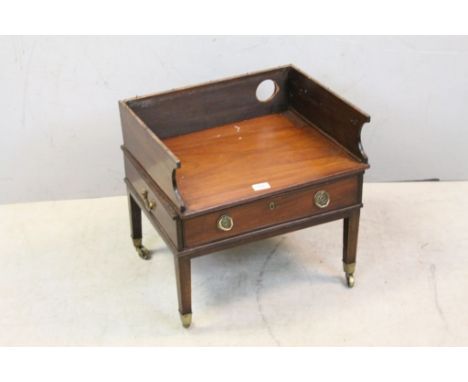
pixel 148 205
pixel 225 223
pixel 322 199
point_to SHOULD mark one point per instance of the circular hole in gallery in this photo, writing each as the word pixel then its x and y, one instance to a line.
pixel 266 90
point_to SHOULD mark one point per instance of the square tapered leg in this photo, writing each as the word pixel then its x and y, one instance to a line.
pixel 350 239
pixel 184 289
pixel 136 229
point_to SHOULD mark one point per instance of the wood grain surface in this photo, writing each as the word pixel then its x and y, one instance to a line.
pixel 220 165
pixel 260 213
pixel 150 152
pixel 327 111
pixel 164 216
pixel 216 103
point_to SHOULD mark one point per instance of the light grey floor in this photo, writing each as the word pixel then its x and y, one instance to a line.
pixel 69 276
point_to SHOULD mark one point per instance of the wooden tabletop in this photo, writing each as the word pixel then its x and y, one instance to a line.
pixel 225 164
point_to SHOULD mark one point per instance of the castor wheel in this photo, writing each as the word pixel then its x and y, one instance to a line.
pixel 349 272
pixel 186 319
pixel 141 250
pixel 143 253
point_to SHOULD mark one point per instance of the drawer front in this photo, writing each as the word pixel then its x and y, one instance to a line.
pixel 151 202
pixel 270 211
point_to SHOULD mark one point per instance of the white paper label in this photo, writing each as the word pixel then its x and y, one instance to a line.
pixel 261 186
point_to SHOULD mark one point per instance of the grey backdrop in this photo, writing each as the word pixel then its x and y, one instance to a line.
pixel 60 129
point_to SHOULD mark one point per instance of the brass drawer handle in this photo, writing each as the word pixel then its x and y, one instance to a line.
pixel 225 223
pixel 322 199
pixel 148 205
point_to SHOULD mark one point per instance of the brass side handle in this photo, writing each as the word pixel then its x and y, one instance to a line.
pixel 225 223
pixel 148 204
pixel 322 199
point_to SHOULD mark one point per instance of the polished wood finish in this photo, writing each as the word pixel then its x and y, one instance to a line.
pixel 151 153
pixel 197 152
pixel 176 249
pixel 184 284
pixel 162 215
pixel 260 213
pixel 216 103
pixel 267 232
pixel 330 113
pixel 135 218
pixel 147 120
pixel 221 164
pixel 350 237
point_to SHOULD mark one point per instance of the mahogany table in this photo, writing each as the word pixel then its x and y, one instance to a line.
pixel 221 164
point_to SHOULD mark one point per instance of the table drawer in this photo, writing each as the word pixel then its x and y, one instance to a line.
pixel 269 211
pixel 149 201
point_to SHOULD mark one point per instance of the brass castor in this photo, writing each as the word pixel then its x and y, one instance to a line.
pixel 186 319
pixel 141 250
pixel 349 272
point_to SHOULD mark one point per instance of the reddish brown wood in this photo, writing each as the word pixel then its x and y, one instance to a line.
pixel 184 288
pixel 156 224
pixel 266 232
pixel 220 165
pixel 216 103
pixel 350 237
pixel 165 219
pixel 287 207
pixel 170 207
pixel 150 152
pixel 135 218
pixel 326 110
pixel 198 151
